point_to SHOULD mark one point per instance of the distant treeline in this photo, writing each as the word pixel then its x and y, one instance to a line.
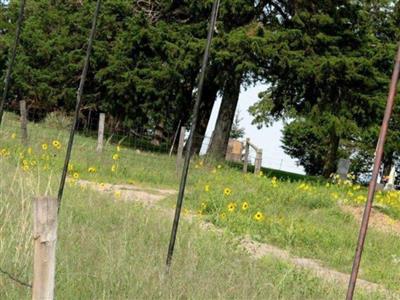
pixel 327 64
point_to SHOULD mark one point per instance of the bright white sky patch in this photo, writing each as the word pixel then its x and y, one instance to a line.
pixel 269 139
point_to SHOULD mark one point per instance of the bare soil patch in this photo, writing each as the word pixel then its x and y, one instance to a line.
pixel 378 220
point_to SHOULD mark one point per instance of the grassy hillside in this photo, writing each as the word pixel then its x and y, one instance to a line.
pixel 112 250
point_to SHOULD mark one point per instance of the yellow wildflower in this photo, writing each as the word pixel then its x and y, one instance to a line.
pixel 227 191
pixel 115 156
pixel 222 215
pixel 245 205
pixel 207 188
pixel 231 207
pixel 113 168
pixel 56 144
pixel 258 216
pixel 76 175
pixel 13 136
pixel 45 147
pixel 70 167
pixel 92 170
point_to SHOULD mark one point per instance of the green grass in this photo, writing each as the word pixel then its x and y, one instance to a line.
pixel 117 250
pixel 304 218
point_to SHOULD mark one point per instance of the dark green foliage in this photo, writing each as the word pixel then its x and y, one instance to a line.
pixel 329 70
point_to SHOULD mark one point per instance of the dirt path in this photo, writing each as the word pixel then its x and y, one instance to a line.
pixel 257 250
pixel 378 220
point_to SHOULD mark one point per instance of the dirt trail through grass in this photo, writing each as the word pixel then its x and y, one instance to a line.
pixel 257 250
pixel 378 220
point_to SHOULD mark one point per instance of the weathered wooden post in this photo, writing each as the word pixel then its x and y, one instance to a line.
pixel 100 136
pixel 246 155
pixel 24 122
pixel 179 157
pixel 258 161
pixel 45 238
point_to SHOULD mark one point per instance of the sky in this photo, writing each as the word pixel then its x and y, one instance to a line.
pixel 269 139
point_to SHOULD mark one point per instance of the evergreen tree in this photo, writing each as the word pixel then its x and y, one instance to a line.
pixel 326 65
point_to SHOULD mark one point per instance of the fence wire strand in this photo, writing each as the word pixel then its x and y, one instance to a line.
pixel 14 278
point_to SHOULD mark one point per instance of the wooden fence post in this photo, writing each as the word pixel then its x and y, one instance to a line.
pixel 246 155
pixel 179 157
pixel 100 137
pixel 45 238
pixel 258 161
pixel 24 122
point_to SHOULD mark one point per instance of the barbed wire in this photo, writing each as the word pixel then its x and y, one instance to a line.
pixel 14 278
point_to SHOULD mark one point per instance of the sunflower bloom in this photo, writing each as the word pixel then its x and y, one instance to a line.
pixel 45 147
pixel 231 207
pixel 258 216
pixel 76 175
pixel 56 144
pixel 245 206
pixel 227 191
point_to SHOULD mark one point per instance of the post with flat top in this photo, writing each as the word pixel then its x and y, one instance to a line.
pixel 45 238
pixel 100 137
pixel 24 122
pixel 257 163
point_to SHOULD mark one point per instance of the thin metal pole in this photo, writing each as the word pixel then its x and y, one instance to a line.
pixel 78 104
pixel 12 58
pixel 185 170
pixel 175 137
pixel 375 172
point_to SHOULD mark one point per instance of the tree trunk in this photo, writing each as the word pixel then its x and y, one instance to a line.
pixel 225 119
pixel 158 134
pixel 207 103
pixel 387 163
pixel 332 155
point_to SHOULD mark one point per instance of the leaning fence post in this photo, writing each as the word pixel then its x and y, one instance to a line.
pixel 257 163
pixel 45 238
pixel 246 155
pixel 100 137
pixel 24 122
pixel 179 156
